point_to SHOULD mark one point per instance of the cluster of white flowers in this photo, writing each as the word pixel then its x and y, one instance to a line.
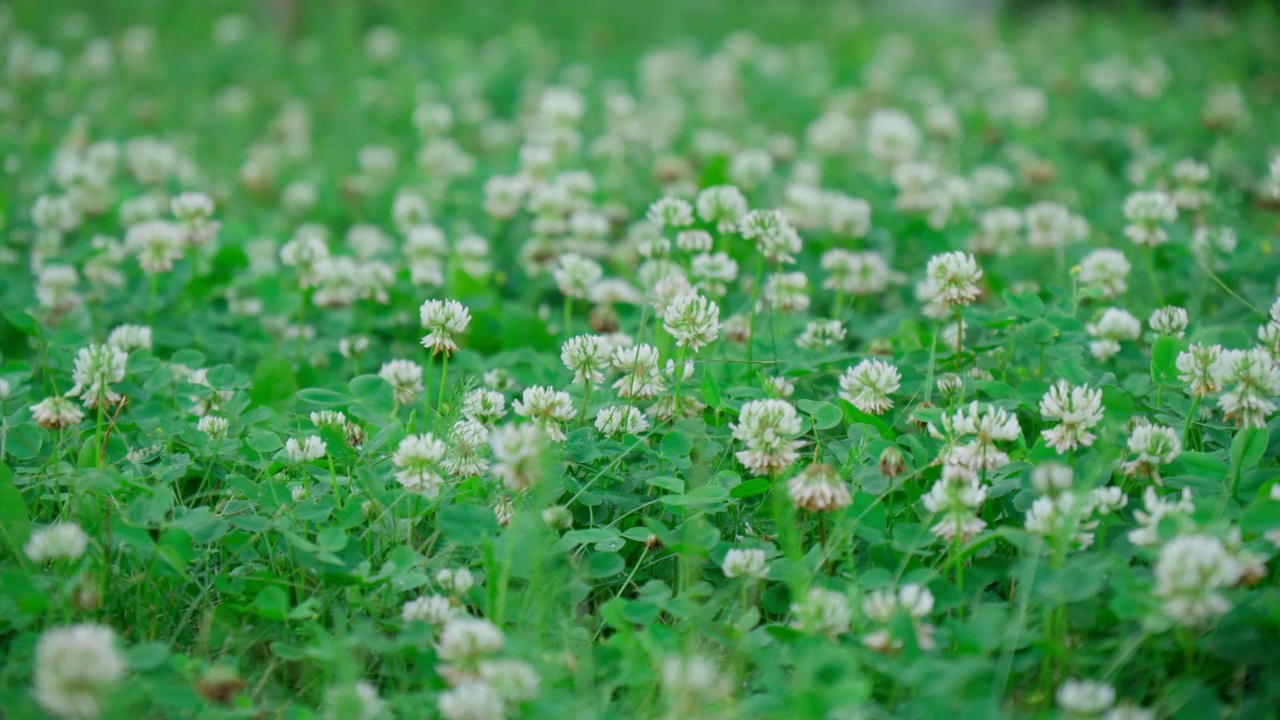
pixel 912 601
pixel 766 428
pixel 1147 213
pixel 419 459
pixel 1077 410
pixel 868 385
pixel 1111 328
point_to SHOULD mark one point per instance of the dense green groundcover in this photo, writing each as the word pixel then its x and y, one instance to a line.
pixel 353 364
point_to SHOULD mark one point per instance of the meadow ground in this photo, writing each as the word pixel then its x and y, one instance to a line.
pixel 722 360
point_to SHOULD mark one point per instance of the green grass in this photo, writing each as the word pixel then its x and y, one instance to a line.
pixel 239 582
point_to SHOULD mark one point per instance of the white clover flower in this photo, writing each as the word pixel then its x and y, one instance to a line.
pixel 665 289
pixel 130 337
pixel 1146 213
pixel 432 609
pixel 952 278
pixel 1190 573
pixel 156 243
pixel 1112 327
pixel 336 282
pixel 517 452
pixel 56 413
pixel 1153 445
pixel 999 230
pixel 547 407
pixel 1213 244
pixel 419 459
pixel 97 366
pixel 213 426
pixel 75 667
pixel 60 541
pixel 194 211
pixel 1085 698
pixel 1195 366
pixel 576 275
pixel 670 212
pixel 1062 515
pixel 405 377
pixel 868 385
pixel 881 606
pixel 692 681
pixel 465 639
pixel 514 680
pixel 1105 271
pixel 503 195
pixel 786 292
pixel 1052 479
pixel 694 241
pixel 473 255
pixel 641 376
pixel 855 273
pixel 692 320
pixel 765 428
pixel 1271 185
pixel 358 701
pixel 587 356
pixel 1169 320
pixel 1189 177
pixel 745 563
pixel 750 168
pixel 1249 380
pixel 467 442
pixel 310 448
pixel 56 288
pixel 1155 509
pixel 713 272
pixel 821 334
pixel 822 612
pixel 949 384
pixel 329 418
pixel 304 252
pixel 773 236
pixel 455 581
pixel 617 420
pixel 471 700
pixel 722 206
pixel 955 499
pixel 443 320
pixel 1077 410
pixel 818 488
pixel 892 136
pixel 484 406
pixel 987 425
pixel 1049 225
pixel 846 216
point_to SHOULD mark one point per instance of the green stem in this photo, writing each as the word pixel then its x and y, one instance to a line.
pixel 586 396
pixel 568 316
pixel 959 337
pixel 444 377
pixel 675 409
pixel 1151 274
pixel 302 321
pixel 755 300
pixel 153 282
pixel 1191 414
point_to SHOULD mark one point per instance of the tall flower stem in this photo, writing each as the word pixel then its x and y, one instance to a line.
pixel 675 408
pixel 153 292
pixel 568 316
pixel 1151 275
pixel 586 396
pixel 959 337
pixel 444 378
pixel 755 300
